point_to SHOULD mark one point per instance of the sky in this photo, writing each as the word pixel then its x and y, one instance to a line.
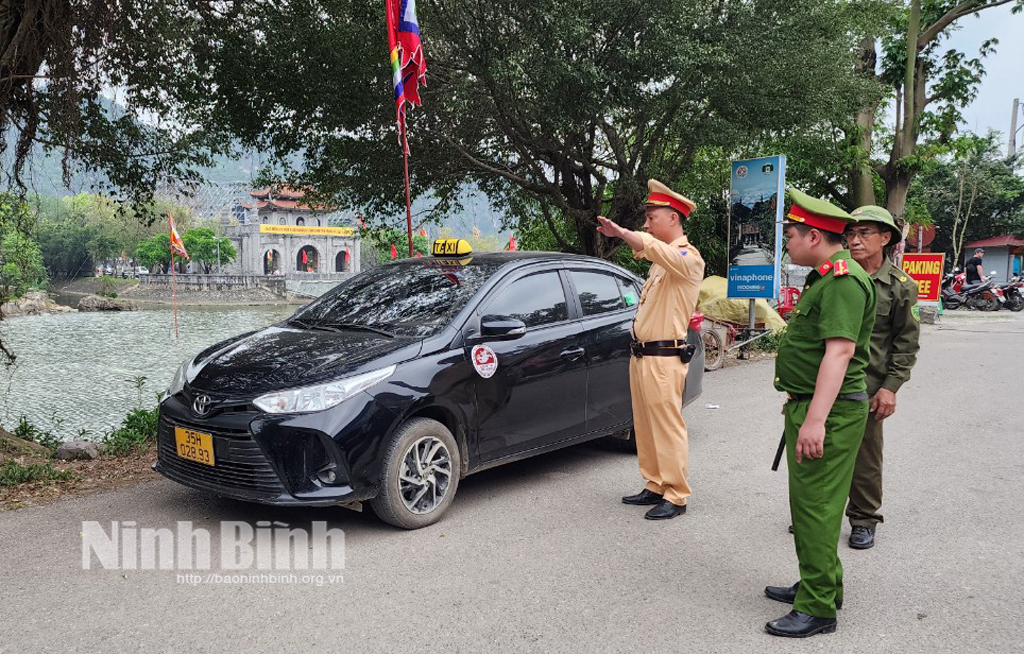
pixel 1004 79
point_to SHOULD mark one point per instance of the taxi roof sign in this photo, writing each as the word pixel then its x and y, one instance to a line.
pixel 451 247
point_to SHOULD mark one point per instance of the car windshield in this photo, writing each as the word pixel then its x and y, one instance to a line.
pixel 413 300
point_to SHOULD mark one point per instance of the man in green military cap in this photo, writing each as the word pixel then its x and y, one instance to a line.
pixel 821 368
pixel 894 345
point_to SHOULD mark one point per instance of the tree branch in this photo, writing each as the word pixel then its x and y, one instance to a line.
pixel 959 11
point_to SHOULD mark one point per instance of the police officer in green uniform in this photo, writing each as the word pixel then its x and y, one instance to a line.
pixel 821 368
pixel 894 346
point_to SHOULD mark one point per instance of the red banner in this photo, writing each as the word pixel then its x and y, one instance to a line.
pixel 926 269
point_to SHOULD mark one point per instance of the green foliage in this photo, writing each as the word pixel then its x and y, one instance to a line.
pixel 381 239
pixel 628 95
pixel 77 232
pixel 29 432
pixel 109 288
pixel 22 265
pixel 202 245
pixel 769 343
pixel 137 432
pixel 67 58
pixel 971 192
pixel 13 473
pixel 155 252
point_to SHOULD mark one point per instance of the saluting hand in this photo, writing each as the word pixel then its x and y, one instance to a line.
pixel 608 228
pixel 810 441
pixel 883 404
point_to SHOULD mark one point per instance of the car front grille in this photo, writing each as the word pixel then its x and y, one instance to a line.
pixel 240 464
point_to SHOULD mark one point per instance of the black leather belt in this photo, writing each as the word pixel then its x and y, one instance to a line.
pixel 852 397
pixel 677 348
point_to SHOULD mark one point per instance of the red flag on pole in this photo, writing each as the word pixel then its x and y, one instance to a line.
pixel 177 247
pixel 408 69
pixel 512 244
pixel 394 251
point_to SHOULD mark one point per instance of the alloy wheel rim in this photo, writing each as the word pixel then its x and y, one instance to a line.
pixel 425 475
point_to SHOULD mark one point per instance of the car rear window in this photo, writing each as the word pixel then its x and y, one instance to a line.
pixel 598 292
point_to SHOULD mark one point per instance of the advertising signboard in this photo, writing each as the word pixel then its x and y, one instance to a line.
pixel 756 199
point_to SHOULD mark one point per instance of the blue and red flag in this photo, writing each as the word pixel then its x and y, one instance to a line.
pixel 408 67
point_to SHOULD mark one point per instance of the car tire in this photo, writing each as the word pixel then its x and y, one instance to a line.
pixel 408 496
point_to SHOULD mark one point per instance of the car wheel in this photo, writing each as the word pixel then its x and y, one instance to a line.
pixel 420 475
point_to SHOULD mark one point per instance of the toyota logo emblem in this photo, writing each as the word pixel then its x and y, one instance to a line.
pixel 201 405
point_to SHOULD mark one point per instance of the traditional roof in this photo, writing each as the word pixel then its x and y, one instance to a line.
pixel 1005 241
pixel 284 198
pixel 282 192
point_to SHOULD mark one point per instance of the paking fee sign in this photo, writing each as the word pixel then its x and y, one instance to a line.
pixel 925 268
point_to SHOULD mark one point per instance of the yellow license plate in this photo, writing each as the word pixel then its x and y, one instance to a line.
pixel 194 445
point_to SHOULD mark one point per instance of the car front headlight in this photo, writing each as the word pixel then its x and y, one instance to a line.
pixel 178 381
pixel 322 396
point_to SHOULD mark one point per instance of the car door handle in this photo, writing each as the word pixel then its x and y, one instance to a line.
pixel 573 354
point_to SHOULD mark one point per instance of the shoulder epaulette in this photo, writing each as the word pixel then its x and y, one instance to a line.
pixel 841 268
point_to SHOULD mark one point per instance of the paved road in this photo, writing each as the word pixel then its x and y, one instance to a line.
pixel 540 556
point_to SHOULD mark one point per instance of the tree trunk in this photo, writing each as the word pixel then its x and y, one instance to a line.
pixel 897 176
pixel 862 186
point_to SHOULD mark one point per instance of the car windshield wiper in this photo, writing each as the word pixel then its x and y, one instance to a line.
pixel 299 323
pixel 351 325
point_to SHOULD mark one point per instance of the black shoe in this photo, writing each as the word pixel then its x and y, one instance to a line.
pixel 791 529
pixel 665 510
pixel 800 625
pixel 643 498
pixel 787 594
pixel 862 538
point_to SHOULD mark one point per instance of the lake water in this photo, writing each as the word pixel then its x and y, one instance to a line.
pixel 80 369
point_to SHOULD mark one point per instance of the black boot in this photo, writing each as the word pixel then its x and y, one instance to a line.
pixel 643 498
pixel 862 538
pixel 800 625
pixel 787 594
pixel 665 510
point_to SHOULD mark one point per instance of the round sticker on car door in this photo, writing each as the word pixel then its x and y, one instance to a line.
pixel 485 361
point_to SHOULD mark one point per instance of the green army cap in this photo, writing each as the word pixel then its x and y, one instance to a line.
pixel 817 213
pixel 872 213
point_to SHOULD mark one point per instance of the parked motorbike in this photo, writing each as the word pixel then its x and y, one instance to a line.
pixel 1013 294
pixel 982 296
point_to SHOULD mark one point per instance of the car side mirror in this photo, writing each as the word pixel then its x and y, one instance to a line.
pixel 501 328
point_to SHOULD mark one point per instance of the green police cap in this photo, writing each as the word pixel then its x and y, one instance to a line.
pixel 817 213
pixel 871 213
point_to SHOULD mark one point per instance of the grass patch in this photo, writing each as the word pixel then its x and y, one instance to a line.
pixel 29 432
pixel 769 343
pixel 137 432
pixel 13 473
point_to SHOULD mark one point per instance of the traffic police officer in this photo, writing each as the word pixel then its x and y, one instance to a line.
pixel 894 346
pixel 657 371
pixel 821 368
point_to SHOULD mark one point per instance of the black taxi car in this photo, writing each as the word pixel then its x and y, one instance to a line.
pixel 405 378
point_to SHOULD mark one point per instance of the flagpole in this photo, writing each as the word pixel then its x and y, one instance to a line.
pixel 408 198
pixel 174 280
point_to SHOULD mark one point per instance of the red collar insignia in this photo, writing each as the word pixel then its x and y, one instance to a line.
pixel 824 268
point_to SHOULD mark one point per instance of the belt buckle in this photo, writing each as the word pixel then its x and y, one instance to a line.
pixel 636 349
